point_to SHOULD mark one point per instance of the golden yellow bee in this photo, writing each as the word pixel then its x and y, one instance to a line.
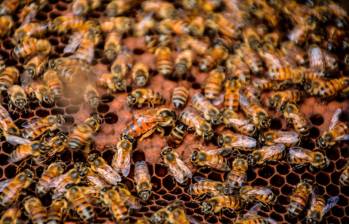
pixel 117 7
pixel 239 123
pixel 161 9
pixel 175 26
pixel 263 195
pixel 194 121
pixel 210 158
pixel 326 88
pixel 91 96
pixel 213 84
pixel 36 65
pixel 122 158
pixel 127 198
pixel 140 74
pixel 177 135
pixel 120 24
pixel 79 203
pixel 33 29
pixel 37 127
pixel 8 7
pixel 230 140
pixel 287 75
pixel 164 62
pixel 183 63
pixel 100 166
pixel 6 25
pixel 66 23
pixel 12 188
pixel 121 65
pixel 144 25
pixel 210 112
pixel 60 183
pixel 111 198
pixel 9 129
pixel 85 51
pixel 251 217
pixel 18 98
pixel 112 82
pixel 36 211
pixel 219 22
pixel 299 198
pixel 143 180
pixel 293 115
pixel 176 166
pixel 23 151
pixel 199 46
pixel 112 45
pixel 205 187
pixel 236 67
pixel 300 157
pixel 238 174
pixel 57 211
pixel 251 37
pixel 278 99
pixel 319 207
pixel 10 216
pixel 173 213
pixel 251 58
pixel 144 97
pixel 30 46
pixel 271 137
pixel 213 57
pixel 8 77
pixel 344 177
pixel 180 96
pixel 93 179
pixel 53 82
pixel 29 12
pixel 40 93
pixel 82 134
pixel 54 170
pixel 217 203
pixel 55 144
pixel 197 26
pixel 232 94
pixel 268 153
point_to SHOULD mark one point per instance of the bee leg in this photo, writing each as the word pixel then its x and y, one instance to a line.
pixel 147 134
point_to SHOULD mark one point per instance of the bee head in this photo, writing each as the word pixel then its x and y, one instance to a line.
pixel 324 140
pixel 166 150
pixel 131 100
pixel 144 195
pixel 194 156
pixel 321 159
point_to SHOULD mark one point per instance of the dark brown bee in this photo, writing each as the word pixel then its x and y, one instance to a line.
pixel 299 198
pixel 177 135
pixel 144 97
pixel 180 96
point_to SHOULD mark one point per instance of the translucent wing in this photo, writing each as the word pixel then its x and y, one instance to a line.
pixel 331 202
pixel 288 137
pixel 74 42
pixel 30 123
pixel 4 183
pixel 15 140
pixel 334 119
pixel 343 138
pixel 110 175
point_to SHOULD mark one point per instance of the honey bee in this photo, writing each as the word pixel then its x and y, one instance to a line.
pixel 6 25
pixel 142 179
pixel 173 213
pixel 8 7
pixel 195 122
pixel 263 195
pixel 60 183
pixel 177 135
pixel 111 198
pixel 199 46
pixel 120 24
pixel 231 94
pixel 326 88
pixel 100 166
pixel 279 99
pixel 91 96
pixel 176 166
pixel 205 187
pixel 10 216
pixel 292 50
pixel 127 198
pixel 8 77
pixel 251 58
pixel 92 178
pixel 18 98
pixel 299 198
pixel 36 65
pixel 219 22
pixel 271 137
pixel 80 203
pixel 29 12
pixel 197 26
pixel 85 51
pixel 210 158
pixel 112 45
pixel 122 158
pixel 40 93
pixel 175 26
pixel 301 157
pixel 117 8
pixel 142 96
pixel 164 63
pixel 52 171
pixel 23 151
pixel 80 7
pixel 183 63
pixel 82 134
pixel 319 207
pixel 237 68
pixel 140 74
pixel 37 127
pixel 30 46
pixel 213 84
pixel 251 38
pixel 180 97
pixel 36 211
pixel 55 144
pixel 320 60
pixel 161 9
pixel 267 153
pixel 230 140
pixel 112 82
pixel 238 174
pixel 66 23
pixel 209 111
pixel 259 117
pixel 287 75
pixel 217 203
pixel 240 124
pixel 143 26
pixel 252 217
pixel 29 30
pixel 344 177
pixel 57 211
pixel 11 189
pixel 121 65
pixel 9 129
pixel 299 121
pixel 213 57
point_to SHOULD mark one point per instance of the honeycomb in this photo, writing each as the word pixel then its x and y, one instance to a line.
pixel 280 176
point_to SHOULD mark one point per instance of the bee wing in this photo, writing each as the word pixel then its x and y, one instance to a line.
pixel 15 140
pixel 30 123
pixel 271 150
pixel 287 137
pixel 253 210
pixel 199 178
pixel 335 118
pixel 298 152
pixel 331 202
pixel 74 42
pixel 4 183
pixel 110 175
pixel 243 100
pixel 343 138
pixel 179 170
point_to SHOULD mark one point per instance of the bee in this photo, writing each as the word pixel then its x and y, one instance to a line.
pixel 61 183
pixel 299 121
pixel 238 174
pixel 161 9
pixel 287 75
pixel 173 213
pixel 213 57
pixel 272 137
pixel 36 65
pixel 267 153
pixel 259 117
pixel 100 166
pixel 112 45
pixel 55 144
pixel 121 65
pixel 320 60
pixel 240 124
pixel 213 84
pixel 120 24
pixel 6 25
pixel 140 74
pixel 195 122
pixel 80 7
pixel 236 67
pixel 29 30
pixel 127 198
pixel 217 203
pixel 112 199
pixel 177 135
pixel 252 217
pixel 199 46
pixel 344 177
pixel 176 166
pixel 122 158
pixel 40 93
pixel 10 216
pixel 30 46
pixel 8 7
pixel 79 203
pixel 9 129
pixel 91 96
pixel 209 111
pixel 251 38
pixel 12 188
pixel 326 88
pixel 142 96
pixel 18 98
pixel 85 51
pixel 197 26
pixel 183 63
pixel 300 157
pixel 23 151
pixel 205 187
pixel 36 211
pixel 82 134
pixel 319 207
pixel 29 12
pixel 142 179
pixel 112 82
pixel 175 26
pixel 251 58
pixel 180 97
pixel 230 140
pixel 210 158
pixel 231 94
pixel 290 49
pixel 163 59
pixel 52 171
pixel 263 195
pixel 37 127
pixel 219 22
pixel 279 99
pixel 92 178
pixel 117 8
pixel 144 25
pixel 299 198
pixel 8 77
pixel 57 211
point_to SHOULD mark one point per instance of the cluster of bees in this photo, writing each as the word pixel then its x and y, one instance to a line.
pixel 284 50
